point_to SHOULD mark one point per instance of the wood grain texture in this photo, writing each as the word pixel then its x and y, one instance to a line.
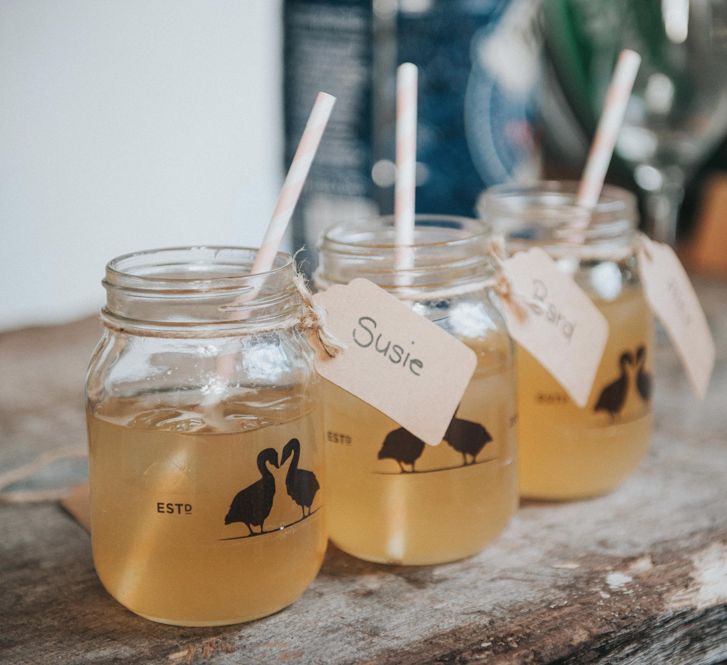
pixel 639 576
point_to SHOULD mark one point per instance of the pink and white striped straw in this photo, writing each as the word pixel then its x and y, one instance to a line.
pixel 294 181
pixel 406 149
pixel 604 142
pixel 284 207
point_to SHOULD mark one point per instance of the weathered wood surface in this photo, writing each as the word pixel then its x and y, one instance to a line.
pixel 639 576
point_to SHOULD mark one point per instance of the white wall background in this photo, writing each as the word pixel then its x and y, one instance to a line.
pixel 129 124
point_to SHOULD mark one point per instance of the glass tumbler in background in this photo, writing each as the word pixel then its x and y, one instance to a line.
pixel 678 108
pixel 205 448
pixel 567 452
pixel 392 498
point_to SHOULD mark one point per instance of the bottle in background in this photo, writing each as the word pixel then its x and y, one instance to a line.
pixel 478 68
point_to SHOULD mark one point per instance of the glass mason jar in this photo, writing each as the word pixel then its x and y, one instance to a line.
pixel 205 440
pixel 395 499
pixel 567 452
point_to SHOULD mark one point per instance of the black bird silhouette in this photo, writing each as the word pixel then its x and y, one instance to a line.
pixel 302 485
pixel 467 437
pixel 643 378
pixel 402 446
pixel 253 504
pixel 613 396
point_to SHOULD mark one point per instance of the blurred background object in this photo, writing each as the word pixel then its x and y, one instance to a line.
pixel 130 125
pixel 148 123
pixel 478 71
pixel 706 250
pixel 678 109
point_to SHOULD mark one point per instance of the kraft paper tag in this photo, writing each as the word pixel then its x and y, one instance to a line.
pixel 394 359
pixel 555 321
pixel 672 298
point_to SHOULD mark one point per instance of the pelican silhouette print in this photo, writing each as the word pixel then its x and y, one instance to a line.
pixel 253 504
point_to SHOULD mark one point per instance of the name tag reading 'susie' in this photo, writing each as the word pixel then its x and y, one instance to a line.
pixel 394 359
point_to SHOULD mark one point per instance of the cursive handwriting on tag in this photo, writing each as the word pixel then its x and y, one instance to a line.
pixel 555 321
pixel 543 307
pixel 671 297
pixel 394 359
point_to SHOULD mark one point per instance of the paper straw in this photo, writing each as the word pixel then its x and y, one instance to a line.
pixel 604 142
pixel 406 146
pixel 284 207
pixel 404 210
pixel 145 545
pixel 294 181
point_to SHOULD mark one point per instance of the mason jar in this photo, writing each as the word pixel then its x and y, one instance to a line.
pixel 205 440
pixel 567 452
pixel 394 499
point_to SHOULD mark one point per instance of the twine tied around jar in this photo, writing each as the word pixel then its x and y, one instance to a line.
pixel 314 319
pixel 516 301
pixel 501 284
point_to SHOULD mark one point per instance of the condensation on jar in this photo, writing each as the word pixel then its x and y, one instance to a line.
pixel 394 499
pixel 205 439
pixel 567 452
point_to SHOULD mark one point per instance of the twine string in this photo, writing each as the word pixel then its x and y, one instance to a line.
pixel 516 301
pixel 314 319
pixel 27 471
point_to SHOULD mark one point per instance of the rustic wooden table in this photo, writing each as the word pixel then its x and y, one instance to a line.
pixel 639 576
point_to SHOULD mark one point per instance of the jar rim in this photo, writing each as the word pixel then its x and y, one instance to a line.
pixel 199 289
pixel 545 213
pixel 422 220
pixel 117 276
pixel 449 254
pixel 612 199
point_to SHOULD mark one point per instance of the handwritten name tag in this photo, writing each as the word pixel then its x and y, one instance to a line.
pixel 672 298
pixel 556 322
pixel 394 359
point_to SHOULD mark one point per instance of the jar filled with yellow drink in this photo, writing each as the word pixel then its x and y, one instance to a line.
pixel 567 452
pixel 393 498
pixel 205 440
